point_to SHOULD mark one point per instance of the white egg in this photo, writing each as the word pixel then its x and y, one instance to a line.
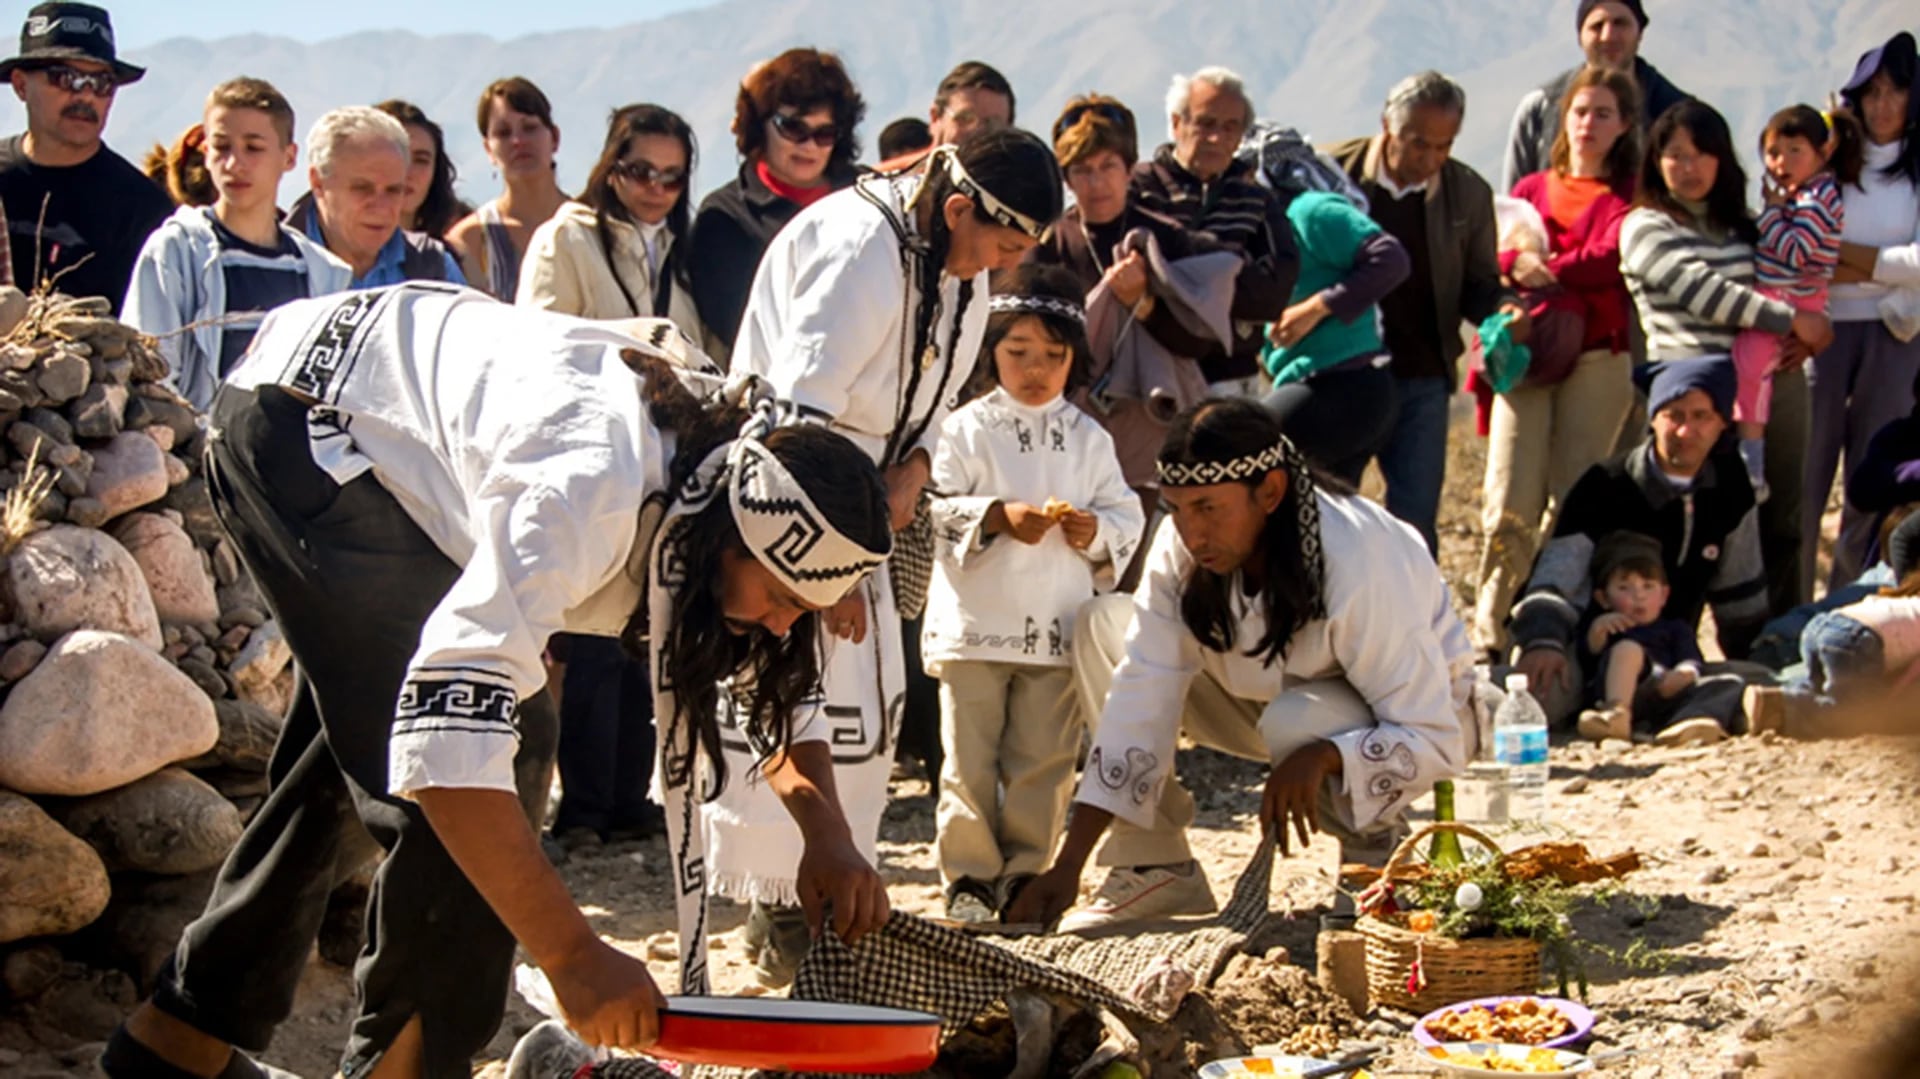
pixel 1468 896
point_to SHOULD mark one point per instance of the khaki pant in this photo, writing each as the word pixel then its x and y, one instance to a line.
pixel 1541 439
pixel 1010 733
pixel 1214 718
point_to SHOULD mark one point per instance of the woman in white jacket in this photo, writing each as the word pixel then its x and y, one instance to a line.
pixel 615 252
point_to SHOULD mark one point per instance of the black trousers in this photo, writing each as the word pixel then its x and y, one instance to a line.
pixel 1339 418
pixel 351 580
pixel 606 740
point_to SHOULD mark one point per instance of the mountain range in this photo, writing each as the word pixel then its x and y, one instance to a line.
pixel 1320 65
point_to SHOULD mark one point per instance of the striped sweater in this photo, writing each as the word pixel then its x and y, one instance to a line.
pixel 1693 292
pixel 1800 239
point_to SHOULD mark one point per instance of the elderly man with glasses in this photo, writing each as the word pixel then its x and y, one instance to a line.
pixel 78 212
pixel 1196 181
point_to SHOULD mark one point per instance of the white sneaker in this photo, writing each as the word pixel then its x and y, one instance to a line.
pixel 1151 892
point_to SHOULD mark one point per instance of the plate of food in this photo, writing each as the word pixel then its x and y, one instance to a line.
pixel 1482 1059
pixel 1549 1022
pixel 1277 1065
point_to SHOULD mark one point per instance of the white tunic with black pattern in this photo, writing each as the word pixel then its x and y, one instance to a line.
pixel 1390 632
pixel 519 443
pixel 993 597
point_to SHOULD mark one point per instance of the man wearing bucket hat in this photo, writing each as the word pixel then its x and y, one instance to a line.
pixel 1682 487
pixel 77 212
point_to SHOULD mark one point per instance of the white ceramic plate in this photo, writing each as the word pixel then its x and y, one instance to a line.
pixel 1277 1065
pixel 1569 1063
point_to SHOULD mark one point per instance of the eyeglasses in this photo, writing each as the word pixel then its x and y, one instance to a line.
pixel 645 173
pixel 1213 125
pixel 74 81
pixel 795 130
pixel 1115 114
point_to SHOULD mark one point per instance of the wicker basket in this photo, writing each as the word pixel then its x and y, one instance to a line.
pixel 1455 970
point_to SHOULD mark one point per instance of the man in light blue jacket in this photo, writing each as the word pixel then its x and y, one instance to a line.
pixel 209 274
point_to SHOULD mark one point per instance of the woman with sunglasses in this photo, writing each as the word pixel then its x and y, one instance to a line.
pixel 794 123
pixel 517 128
pixel 616 251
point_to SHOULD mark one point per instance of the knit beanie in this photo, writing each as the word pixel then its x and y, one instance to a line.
pixel 1585 6
pixel 1903 547
pixel 1665 381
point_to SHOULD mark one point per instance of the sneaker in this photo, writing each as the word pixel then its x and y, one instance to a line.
pixel 1600 724
pixel 1766 708
pixel 548 1051
pixel 1144 892
pixel 968 907
pixel 1698 731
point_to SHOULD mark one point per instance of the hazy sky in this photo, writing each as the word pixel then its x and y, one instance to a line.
pixel 144 22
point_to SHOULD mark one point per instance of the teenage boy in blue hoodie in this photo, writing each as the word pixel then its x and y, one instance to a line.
pixel 208 275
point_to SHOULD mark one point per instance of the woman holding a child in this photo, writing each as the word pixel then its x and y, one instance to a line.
pixel 1565 416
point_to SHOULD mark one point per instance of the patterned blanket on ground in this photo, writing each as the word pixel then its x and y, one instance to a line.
pixel 914 963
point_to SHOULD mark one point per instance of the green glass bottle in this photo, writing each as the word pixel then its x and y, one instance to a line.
pixel 1445 850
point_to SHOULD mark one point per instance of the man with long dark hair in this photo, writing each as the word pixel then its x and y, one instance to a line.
pixel 1277 621
pixel 422 516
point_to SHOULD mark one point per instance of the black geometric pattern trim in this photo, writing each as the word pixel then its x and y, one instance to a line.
pixel 430 695
pixel 334 346
pixel 803 532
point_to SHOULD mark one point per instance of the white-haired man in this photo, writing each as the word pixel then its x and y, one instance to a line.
pixel 1441 211
pixel 357 168
pixel 1196 181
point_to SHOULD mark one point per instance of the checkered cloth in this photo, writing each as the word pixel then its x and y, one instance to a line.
pixel 916 964
pixel 911 563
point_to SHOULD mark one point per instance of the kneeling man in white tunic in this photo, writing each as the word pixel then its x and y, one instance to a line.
pixel 1277 621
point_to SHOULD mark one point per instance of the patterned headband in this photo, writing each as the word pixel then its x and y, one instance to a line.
pixel 999 211
pixel 1039 305
pixel 787 533
pixel 1205 473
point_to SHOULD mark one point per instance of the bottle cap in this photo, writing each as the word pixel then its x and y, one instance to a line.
pixel 1516 683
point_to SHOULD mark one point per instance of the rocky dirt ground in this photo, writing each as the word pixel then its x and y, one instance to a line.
pixel 1777 910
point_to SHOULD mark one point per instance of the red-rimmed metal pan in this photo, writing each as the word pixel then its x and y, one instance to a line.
pixel 796 1035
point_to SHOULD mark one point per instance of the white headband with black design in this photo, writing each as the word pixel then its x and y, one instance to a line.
pixel 787 533
pixel 1204 473
pixel 1001 213
pixel 1038 305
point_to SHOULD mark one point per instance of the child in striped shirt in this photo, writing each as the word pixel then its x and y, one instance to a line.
pixel 1798 249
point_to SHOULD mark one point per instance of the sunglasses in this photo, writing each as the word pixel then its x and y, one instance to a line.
pixel 73 80
pixel 645 173
pixel 795 130
pixel 1114 114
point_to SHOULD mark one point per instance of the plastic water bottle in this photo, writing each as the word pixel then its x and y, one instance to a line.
pixel 1520 744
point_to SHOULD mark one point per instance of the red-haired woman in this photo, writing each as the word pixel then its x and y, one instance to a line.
pixel 794 124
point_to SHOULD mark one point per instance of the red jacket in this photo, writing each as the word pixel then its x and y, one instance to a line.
pixel 1586 259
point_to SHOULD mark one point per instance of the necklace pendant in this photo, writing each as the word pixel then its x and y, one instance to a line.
pixel 928 357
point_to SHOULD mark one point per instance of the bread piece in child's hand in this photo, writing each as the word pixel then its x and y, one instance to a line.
pixel 1057 509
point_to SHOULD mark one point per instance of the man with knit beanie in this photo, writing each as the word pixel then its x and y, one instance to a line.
pixel 1680 486
pixel 1609 33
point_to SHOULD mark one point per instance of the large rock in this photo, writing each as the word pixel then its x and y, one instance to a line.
pixel 169 822
pixel 247 735
pixel 195 507
pixel 128 472
pixel 66 578
pixel 142 925
pixel 182 590
pixel 100 711
pixel 50 882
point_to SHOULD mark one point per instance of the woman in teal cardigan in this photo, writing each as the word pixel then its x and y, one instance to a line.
pixel 1332 389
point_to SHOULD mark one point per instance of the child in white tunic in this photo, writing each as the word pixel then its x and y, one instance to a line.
pixel 1031 518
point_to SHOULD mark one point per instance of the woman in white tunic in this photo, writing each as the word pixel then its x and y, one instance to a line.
pixel 1277 621
pixel 422 515
pixel 867 313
